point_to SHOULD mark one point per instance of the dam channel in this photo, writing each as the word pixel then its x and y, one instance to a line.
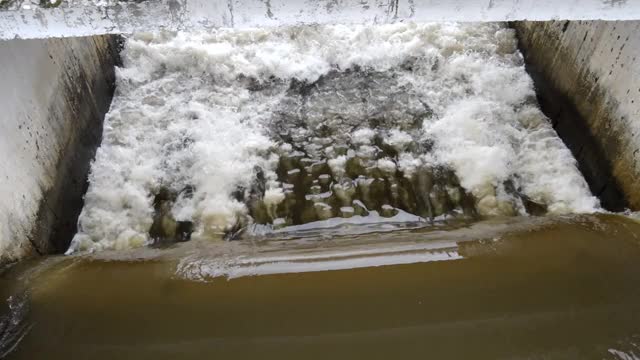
pixel 344 190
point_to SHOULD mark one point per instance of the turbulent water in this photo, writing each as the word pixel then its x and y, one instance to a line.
pixel 387 181
pixel 244 132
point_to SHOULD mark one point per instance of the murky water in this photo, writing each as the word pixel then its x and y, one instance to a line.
pixel 520 288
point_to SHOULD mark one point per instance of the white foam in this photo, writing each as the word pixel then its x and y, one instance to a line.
pixel 386 165
pixel 491 132
pixel 338 164
pixel 204 268
pixel 398 139
pixel 183 116
pixel 362 136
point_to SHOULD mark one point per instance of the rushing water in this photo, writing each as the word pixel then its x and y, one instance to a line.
pixel 395 192
pixel 525 288
pixel 237 133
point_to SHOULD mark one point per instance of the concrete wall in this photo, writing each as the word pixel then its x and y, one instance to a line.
pixel 25 19
pixel 589 72
pixel 53 97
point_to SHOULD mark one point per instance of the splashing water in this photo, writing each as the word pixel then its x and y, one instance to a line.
pixel 265 129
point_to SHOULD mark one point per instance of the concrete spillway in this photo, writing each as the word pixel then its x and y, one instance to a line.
pixel 55 92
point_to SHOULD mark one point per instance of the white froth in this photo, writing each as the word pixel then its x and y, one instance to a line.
pixel 490 132
pixel 338 164
pixel 183 116
pixel 386 165
pixel 362 136
pixel 398 139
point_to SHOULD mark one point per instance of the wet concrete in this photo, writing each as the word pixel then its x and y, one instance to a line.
pixel 54 96
pixel 587 79
pixel 25 19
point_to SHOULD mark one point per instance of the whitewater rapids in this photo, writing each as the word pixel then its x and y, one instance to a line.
pixel 225 121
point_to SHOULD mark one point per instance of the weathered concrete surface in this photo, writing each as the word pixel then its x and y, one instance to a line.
pixel 25 19
pixel 591 72
pixel 53 98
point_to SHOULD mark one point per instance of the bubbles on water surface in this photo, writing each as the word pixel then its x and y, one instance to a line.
pixel 217 133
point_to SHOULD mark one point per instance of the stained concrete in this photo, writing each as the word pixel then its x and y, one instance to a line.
pixel 589 76
pixel 53 98
pixel 26 19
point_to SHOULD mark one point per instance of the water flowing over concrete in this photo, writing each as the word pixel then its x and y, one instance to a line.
pixel 19 18
pixel 26 65
pixel 592 69
pixel 229 131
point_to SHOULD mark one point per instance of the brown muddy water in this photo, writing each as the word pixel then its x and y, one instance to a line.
pixel 524 288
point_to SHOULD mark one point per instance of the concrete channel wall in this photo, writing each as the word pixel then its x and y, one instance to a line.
pixel 53 97
pixel 588 77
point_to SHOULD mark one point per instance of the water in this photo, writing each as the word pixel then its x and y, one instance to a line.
pixel 526 288
pixel 386 191
pixel 238 132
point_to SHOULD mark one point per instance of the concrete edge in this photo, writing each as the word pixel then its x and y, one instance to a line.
pixel 52 125
pixel 578 89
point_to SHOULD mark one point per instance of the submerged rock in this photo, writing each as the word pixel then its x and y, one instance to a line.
pixel 339 155
pixel 165 229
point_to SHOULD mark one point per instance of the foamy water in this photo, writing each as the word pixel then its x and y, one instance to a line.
pixel 200 114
